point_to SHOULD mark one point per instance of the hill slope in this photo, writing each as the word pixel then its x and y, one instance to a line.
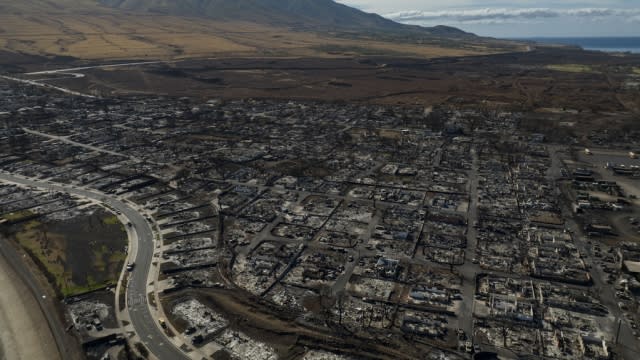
pixel 169 29
pixel 273 11
pixel 317 14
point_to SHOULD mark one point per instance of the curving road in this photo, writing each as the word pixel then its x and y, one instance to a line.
pixel 141 318
pixel 75 74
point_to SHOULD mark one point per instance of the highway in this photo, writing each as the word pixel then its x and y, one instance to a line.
pixel 75 69
pixel 46 86
pixel 142 320
pixel 74 73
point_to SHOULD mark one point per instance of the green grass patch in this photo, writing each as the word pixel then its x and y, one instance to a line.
pixel 78 255
pixel 98 258
pixel 72 290
pixel 18 215
pixel 111 220
pixel 573 68
pixel 118 256
pixel 636 70
pixel 42 248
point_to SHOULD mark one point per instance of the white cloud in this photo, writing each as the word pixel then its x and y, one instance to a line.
pixel 501 15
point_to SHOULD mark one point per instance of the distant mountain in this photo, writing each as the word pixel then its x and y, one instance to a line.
pixel 305 14
pixel 168 29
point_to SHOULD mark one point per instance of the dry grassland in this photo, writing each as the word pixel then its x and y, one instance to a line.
pixel 111 36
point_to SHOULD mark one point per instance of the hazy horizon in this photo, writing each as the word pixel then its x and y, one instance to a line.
pixel 524 19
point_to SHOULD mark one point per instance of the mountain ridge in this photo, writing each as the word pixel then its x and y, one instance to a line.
pixel 178 29
pixel 314 14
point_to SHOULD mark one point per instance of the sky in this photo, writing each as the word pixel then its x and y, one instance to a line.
pixel 516 18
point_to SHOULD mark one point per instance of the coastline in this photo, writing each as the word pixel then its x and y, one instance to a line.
pixel 604 44
pixel 24 333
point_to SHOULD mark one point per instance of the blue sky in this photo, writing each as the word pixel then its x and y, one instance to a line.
pixel 516 18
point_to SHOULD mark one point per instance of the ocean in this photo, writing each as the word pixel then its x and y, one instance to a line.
pixel 607 44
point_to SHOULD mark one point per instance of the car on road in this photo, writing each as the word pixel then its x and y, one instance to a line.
pixel 131 266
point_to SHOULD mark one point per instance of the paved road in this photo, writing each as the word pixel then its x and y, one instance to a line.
pixel 75 69
pixel 469 269
pixel 46 86
pixel 141 318
pixel 73 72
pixel 65 139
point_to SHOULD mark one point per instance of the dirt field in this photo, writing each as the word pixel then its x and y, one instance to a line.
pixel 24 333
pixel 534 81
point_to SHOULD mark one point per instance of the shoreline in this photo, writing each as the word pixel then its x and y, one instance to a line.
pixel 24 334
pixel 607 44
